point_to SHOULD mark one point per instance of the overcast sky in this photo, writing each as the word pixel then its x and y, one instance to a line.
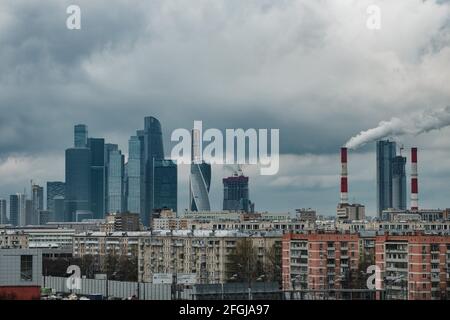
pixel 310 68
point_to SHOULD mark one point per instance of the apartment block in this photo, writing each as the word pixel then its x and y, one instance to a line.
pixel 201 252
pixel 319 261
pixel 415 266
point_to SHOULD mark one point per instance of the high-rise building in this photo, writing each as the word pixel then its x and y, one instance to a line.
pixel 37 197
pixel 235 193
pixel 399 183
pixel 29 213
pixel 386 151
pixel 3 217
pixel 165 184
pixel 200 177
pixel 152 149
pixel 78 181
pixel 80 136
pixel 54 189
pixel 134 175
pixel 14 209
pixel 59 209
pixel 109 147
pixel 115 182
pixel 98 192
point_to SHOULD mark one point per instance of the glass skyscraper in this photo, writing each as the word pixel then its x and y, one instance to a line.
pixel 115 181
pixel 3 217
pixel 37 196
pixel 235 193
pixel 200 177
pixel 97 147
pixel 14 209
pixel 78 174
pixel 54 189
pixel 80 136
pixel 165 184
pixel 134 175
pixel 386 152
pixel 152 149
pixel 399 183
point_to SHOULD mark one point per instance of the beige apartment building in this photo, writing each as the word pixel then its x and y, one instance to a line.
pixel 201 252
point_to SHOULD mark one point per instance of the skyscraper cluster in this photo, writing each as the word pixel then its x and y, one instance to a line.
pixel 99 181
pixel 391 177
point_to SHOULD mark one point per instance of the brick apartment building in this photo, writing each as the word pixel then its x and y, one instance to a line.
pixel 319 261
pixel 415 266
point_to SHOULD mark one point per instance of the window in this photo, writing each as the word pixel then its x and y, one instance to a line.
pixel 26 268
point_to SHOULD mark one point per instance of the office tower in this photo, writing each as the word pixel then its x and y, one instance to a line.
pixel 165 184
pixel 109 147
pixel 399 183
pixel 125 187
pixel 152 149
pixel 14 209
pixel 386 151
pixel 97 147
pixel 54 189
pixel 134 176
pixel 78 174
pixel 200 177
pixel 59 209
pixel 29 213
pixel 3 217
pixel 80 136
pixel 37 197
pixel 22 209
pixel 115 181
pixel 45 217
pixel 235 193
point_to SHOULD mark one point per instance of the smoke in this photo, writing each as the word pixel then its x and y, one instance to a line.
pixel 412 125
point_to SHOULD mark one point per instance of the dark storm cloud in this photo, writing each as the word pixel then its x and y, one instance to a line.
pixel 310 68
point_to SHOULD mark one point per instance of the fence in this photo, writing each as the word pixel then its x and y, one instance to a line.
pixel 118 289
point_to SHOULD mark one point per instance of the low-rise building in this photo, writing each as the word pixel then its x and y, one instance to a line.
pixel 13 239
pixel 20 274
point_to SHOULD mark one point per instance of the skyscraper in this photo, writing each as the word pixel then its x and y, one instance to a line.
pixel 200 177
pixel 54 189
pixel 134 175
pixel 21 209
pixel 37 198
pixel 3 217
pixel 115 182
pixel 14 209
pixel 58 209
pixel 165 184
pixel 386 151
pixel 97 147
pixel 399 183
pixel 29 213
pixel 152 149
pixel 109 147
pixel 78 174
pixel 235 193
pixel 80 136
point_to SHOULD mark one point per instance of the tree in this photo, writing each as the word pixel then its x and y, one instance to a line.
pixel 272 265
pixel 243 264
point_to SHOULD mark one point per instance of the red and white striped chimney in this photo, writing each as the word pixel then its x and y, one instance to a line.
pixel 414 181
pixel 344 173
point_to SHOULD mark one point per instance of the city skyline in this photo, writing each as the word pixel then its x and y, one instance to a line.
pixel 325 79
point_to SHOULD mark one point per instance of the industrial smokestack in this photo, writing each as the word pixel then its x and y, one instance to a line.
pixel 344 173
pixel 414 181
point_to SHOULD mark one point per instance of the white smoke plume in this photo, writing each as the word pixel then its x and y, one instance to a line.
pixel 412 125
